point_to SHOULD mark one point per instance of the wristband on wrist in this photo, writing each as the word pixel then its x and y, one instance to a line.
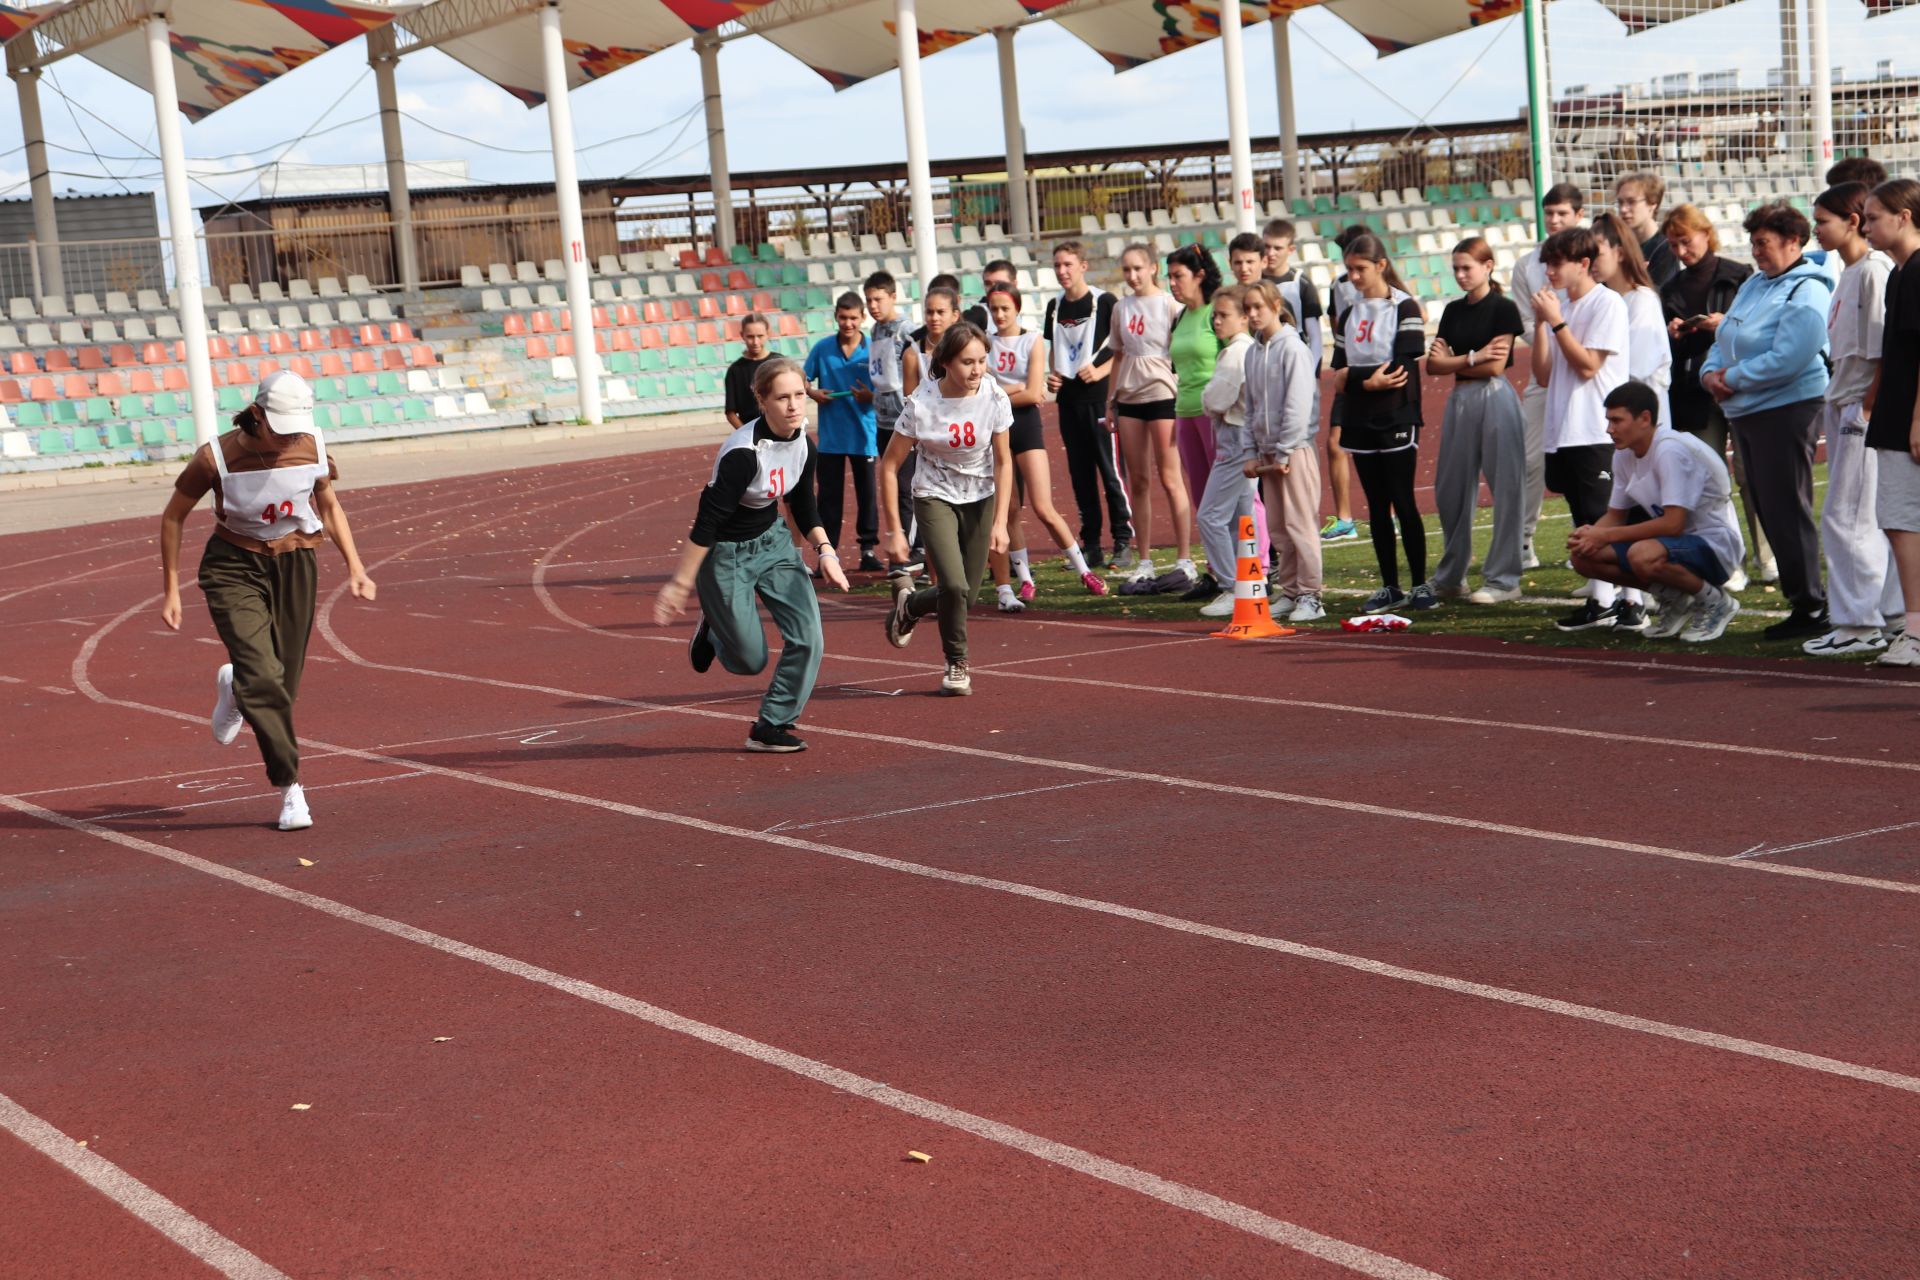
pixel 824 550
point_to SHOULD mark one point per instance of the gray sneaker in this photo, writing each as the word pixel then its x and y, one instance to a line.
pixel 1711 614
pixel 1676 609
pixel 1307 609
pixel 958 682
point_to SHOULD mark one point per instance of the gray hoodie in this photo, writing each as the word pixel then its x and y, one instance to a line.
pixel 1281 382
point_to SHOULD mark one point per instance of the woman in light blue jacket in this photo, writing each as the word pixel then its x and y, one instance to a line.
pixel 1768 370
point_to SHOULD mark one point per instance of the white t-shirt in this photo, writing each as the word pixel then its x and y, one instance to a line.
pixel 1649 350
pixel 1143 333
pixel 1854 326
pixel 954 439
pixel 1576 406
pixel 1009 359
pixel 1681 471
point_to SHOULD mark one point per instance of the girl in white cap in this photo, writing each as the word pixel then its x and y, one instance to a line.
pixel 273 498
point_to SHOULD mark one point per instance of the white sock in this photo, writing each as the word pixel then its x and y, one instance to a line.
pixel 1604 593
pixel 1017 561
pixel 1077 560
pixel 1633 595
pixel 1005 591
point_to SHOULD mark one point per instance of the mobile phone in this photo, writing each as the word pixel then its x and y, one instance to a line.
pixel 1693 322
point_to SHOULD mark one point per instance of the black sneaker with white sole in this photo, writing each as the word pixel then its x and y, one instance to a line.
pixel 773 737
pixel 1383 600
pixel 1590 617
pixel 1630 617
pixel 700 651
pixel 900 622
pixel 1800 623
pixel 1422 598
pixel 1203 589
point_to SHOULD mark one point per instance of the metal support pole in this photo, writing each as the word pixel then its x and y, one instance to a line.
pixel 566 197
pixel 1239 141
pixel 1290 171
pixel 46 230
pixel 1819 50
pixel 708 46
pixel 913 112
pixel 1538 106
pixel 186 253
pixel 384 58
pixel 1017 208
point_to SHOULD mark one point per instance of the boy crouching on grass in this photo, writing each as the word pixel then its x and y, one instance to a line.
pixel 1669 526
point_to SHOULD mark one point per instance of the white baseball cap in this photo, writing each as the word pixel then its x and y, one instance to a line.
pixel 286 401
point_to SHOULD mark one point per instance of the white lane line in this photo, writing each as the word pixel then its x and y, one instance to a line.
pixel 938 804
pixel 134 1196
pixel 1179 1195
pixel 1763 851
pixel 256 795
pixel 1361 964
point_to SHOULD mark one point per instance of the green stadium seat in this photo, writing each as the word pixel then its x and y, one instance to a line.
pixel 1436 195
pixel 232 399
pixel 766 277
pixel 352 415
pixel 792 273
pixel 167 404
pixel 99 409
pixel 706 382
pixel 360 387
pixel 1347 203
pixel 1478 190
pixel 391 384
pixel 64 413
pixel 742 254
pixel 120 435
pixel 652 360
pixel 326 390
pixel 622 362
pixel 29 414
pixel 680 358
pixel 767 253
pixel 416 411
pixel 381 414
pixel 323 417
pixel 153 434
pixel 710 355
pixel 87 440
pixel 793 299
pixel 819 299
pixel 52 442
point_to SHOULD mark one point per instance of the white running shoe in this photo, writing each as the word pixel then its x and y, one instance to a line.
pixel 227 720
pixel 1845 642
pixel 1008 602
pixel 1529 558
pixel 1737 581
pixel 1281 606
pixel 1676 610
pixel 1903 652
pixel 1307 609
pixel 958 682
pixel 1492 595
pixel 294 815
pixel 1710 617
pixel 1770 572
pixel 1221 606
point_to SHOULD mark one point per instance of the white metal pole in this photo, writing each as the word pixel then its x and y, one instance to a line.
pixel 186 254
pixel 1539 132
pixel 1017 211
pixel 1239 144
pixel 384 57
pixel 566 196
pixel 1282 24
pixel 913 112
pixel 709 49
pixel 1818 50
pixel 46 229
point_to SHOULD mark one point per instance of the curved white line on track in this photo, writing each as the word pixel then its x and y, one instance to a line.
pixel 1177 1194
pixel 133 1195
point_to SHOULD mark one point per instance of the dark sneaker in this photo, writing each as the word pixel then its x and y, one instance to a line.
pixel 1630 617
pixel 1096 559
pixel 1801 622
pixel 869 562
pixel 1203 589
pixel 773 737
pixel 1423 597
pixel 1590 617
pixel 1384 599
pixel 700 649
pixel 900 622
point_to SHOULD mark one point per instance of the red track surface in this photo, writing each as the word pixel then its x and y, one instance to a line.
pixel 1388 956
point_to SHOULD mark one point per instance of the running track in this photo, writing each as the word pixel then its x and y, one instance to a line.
pixel 1389 957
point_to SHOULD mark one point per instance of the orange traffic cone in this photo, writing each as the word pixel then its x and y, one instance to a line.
pixel 1252 619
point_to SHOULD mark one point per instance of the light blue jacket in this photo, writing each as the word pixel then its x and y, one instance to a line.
pixel 1770 346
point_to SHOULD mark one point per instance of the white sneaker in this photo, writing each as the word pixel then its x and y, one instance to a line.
pixel 1845 642
pixel 1008 602
pixel 958 682
pixel 1281 606
pixel 1143 572
pixel 1493 595
pixel 294 815
pixel 1770 572
pixel 1903 652
pixel 1307 609
pixel 1676 611
pixel 227 720
pixel 1529 559
pixel 1737 581
pixel 1710 617
pixel 1221 606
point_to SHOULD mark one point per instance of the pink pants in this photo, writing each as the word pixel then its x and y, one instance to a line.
pixel 1295 513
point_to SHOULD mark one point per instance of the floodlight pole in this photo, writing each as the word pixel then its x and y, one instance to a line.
pixel 384 57
pixel 1282 24
pixel 1539 144
pixel 566 198
pixel 46 229
pixel 1018 215
pixel 186 253
pixel 708 47
pixel 913 112
pixel 1239 144
pixel 1818 50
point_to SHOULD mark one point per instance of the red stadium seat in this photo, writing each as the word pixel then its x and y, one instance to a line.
pixel 393 358
pixel 650 338
pixel 600 320
pixel 313 339
pixel 563 345
pixel 74 387
pixel 764 302
pixel 538 348
pixel 267 366
pixel 400 331
pixel 280 343
pixel 239 373
pixel 622 340
pixel 601 342
pixel 716 257
pixel 155 353
pixel 790 326
pixel 739 281
pixel 42 389
pixel 217 349
pixel 10 392
pixel 514 325
pixel 423 356
pixel 173 378
pixel 732 328
pixel 712 282
pixel 653 313
pixel 340 338
pixel 541 321
pixel 624 314
pixel 682 309
pixel 91 358
pixel 364 362
pixel 57 360
pixel 689 260
pixel 22 364
pixel 680 335
pixel 736 305
pixel 371 336
pixel 302 366
pixel 141 382
pixel 247 345
pixel 121 356
pixel 332 366
pixel 708 307
pixel 708 333
pixel 109 383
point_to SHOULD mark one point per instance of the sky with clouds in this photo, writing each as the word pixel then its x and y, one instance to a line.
pixel 780 114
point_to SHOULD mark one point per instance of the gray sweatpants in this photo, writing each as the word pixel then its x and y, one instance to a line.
pixel 1483 433
pixel 1228 492
pixel 1533 412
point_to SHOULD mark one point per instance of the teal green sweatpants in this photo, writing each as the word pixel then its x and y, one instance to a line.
pixel 767 567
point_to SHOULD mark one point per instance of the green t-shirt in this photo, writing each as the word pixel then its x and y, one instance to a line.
pixel 1194 350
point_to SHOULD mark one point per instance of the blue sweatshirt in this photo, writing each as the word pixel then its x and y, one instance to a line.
pixel 1771 342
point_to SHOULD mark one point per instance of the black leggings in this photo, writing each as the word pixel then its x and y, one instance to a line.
pixel 1387 480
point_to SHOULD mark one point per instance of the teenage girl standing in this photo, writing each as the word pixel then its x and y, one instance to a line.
pixel 1621 268
pixel 1142 408
pixel 1484 432
pixel 273 498
pixel 1017 360
pixel 1283 413
pixel 1192 278
pixel 740 549
pixel 1378 342
pixel 956 425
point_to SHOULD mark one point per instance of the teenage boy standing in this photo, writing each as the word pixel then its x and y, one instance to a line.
pixel 1562 206
pixel 1075 329
pixel 1637 198
pixel 837 376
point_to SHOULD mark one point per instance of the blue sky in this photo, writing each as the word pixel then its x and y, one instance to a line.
pixel 780 113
